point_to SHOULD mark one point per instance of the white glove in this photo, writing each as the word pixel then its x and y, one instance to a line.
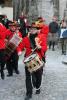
pixel 19 53
pixel 38 46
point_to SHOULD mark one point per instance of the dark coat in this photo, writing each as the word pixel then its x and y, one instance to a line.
pixel 23 28
pixel 53 27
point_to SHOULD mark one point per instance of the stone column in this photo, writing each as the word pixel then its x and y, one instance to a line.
pixel 56 7
pixel 18 6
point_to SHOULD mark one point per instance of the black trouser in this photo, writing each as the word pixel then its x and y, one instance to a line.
pixel 51 43
pixel 29 81
pixel 12 63
pixel 63 45
pixel 38 78
pixel 2 60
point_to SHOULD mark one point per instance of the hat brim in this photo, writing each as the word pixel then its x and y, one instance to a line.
pixel 17 25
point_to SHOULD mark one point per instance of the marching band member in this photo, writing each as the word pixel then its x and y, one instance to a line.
pixel 12 62
pixel 3 34
pixel 44 29
pixel 40 42
pixel 42 25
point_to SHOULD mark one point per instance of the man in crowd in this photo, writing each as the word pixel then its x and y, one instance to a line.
pixel 53 29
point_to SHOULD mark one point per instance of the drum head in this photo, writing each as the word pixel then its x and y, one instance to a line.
pixel 30 58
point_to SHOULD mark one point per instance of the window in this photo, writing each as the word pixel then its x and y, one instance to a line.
pixel 6 3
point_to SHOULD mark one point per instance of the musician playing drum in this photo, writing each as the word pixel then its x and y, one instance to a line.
pixel 11 50
pixel 41 45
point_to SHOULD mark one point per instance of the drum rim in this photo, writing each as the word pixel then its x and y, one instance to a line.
pixel 29 59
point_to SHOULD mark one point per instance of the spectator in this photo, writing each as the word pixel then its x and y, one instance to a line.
pixel 63 40
pixel 53 29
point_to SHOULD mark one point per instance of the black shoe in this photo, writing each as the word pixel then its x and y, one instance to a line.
pixel 2 75
pixel 28 97
pixel 17 72
pixel 63 53
pixel 38 91
pixel 9 75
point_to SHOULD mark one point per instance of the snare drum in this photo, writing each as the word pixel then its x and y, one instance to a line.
pixel 12 44
pixel 33 63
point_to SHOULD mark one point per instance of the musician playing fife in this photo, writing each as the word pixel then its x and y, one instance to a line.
pixel 40 42
pixel 12 61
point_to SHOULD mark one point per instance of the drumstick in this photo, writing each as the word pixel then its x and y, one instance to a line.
pixel 33 51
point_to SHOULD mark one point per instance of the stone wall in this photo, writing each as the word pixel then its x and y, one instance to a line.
pixel 8 3
pixel 46 10
pixel 8 11
pixel 62 7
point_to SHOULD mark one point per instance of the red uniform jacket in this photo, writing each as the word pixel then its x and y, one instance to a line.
pixel 27 45
pixel 45 30
pixel 3 34
pixel 43 43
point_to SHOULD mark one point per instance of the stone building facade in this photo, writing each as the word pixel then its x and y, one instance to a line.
pixel 62 8
pixel 44 8
pixel 8 3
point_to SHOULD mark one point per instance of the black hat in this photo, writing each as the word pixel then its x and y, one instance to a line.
pixel 14 23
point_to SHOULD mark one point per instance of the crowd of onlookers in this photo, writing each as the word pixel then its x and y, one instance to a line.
pixel 58 34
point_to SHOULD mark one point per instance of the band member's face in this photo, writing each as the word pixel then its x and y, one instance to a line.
pixel 13 28
pixel 38 31
pixel 41 24
pixel 33 30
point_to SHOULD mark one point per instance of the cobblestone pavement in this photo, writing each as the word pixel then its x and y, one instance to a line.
pixel 54 82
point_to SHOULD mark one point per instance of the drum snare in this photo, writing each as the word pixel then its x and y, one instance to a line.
pixel 33 63
pixel 12 44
